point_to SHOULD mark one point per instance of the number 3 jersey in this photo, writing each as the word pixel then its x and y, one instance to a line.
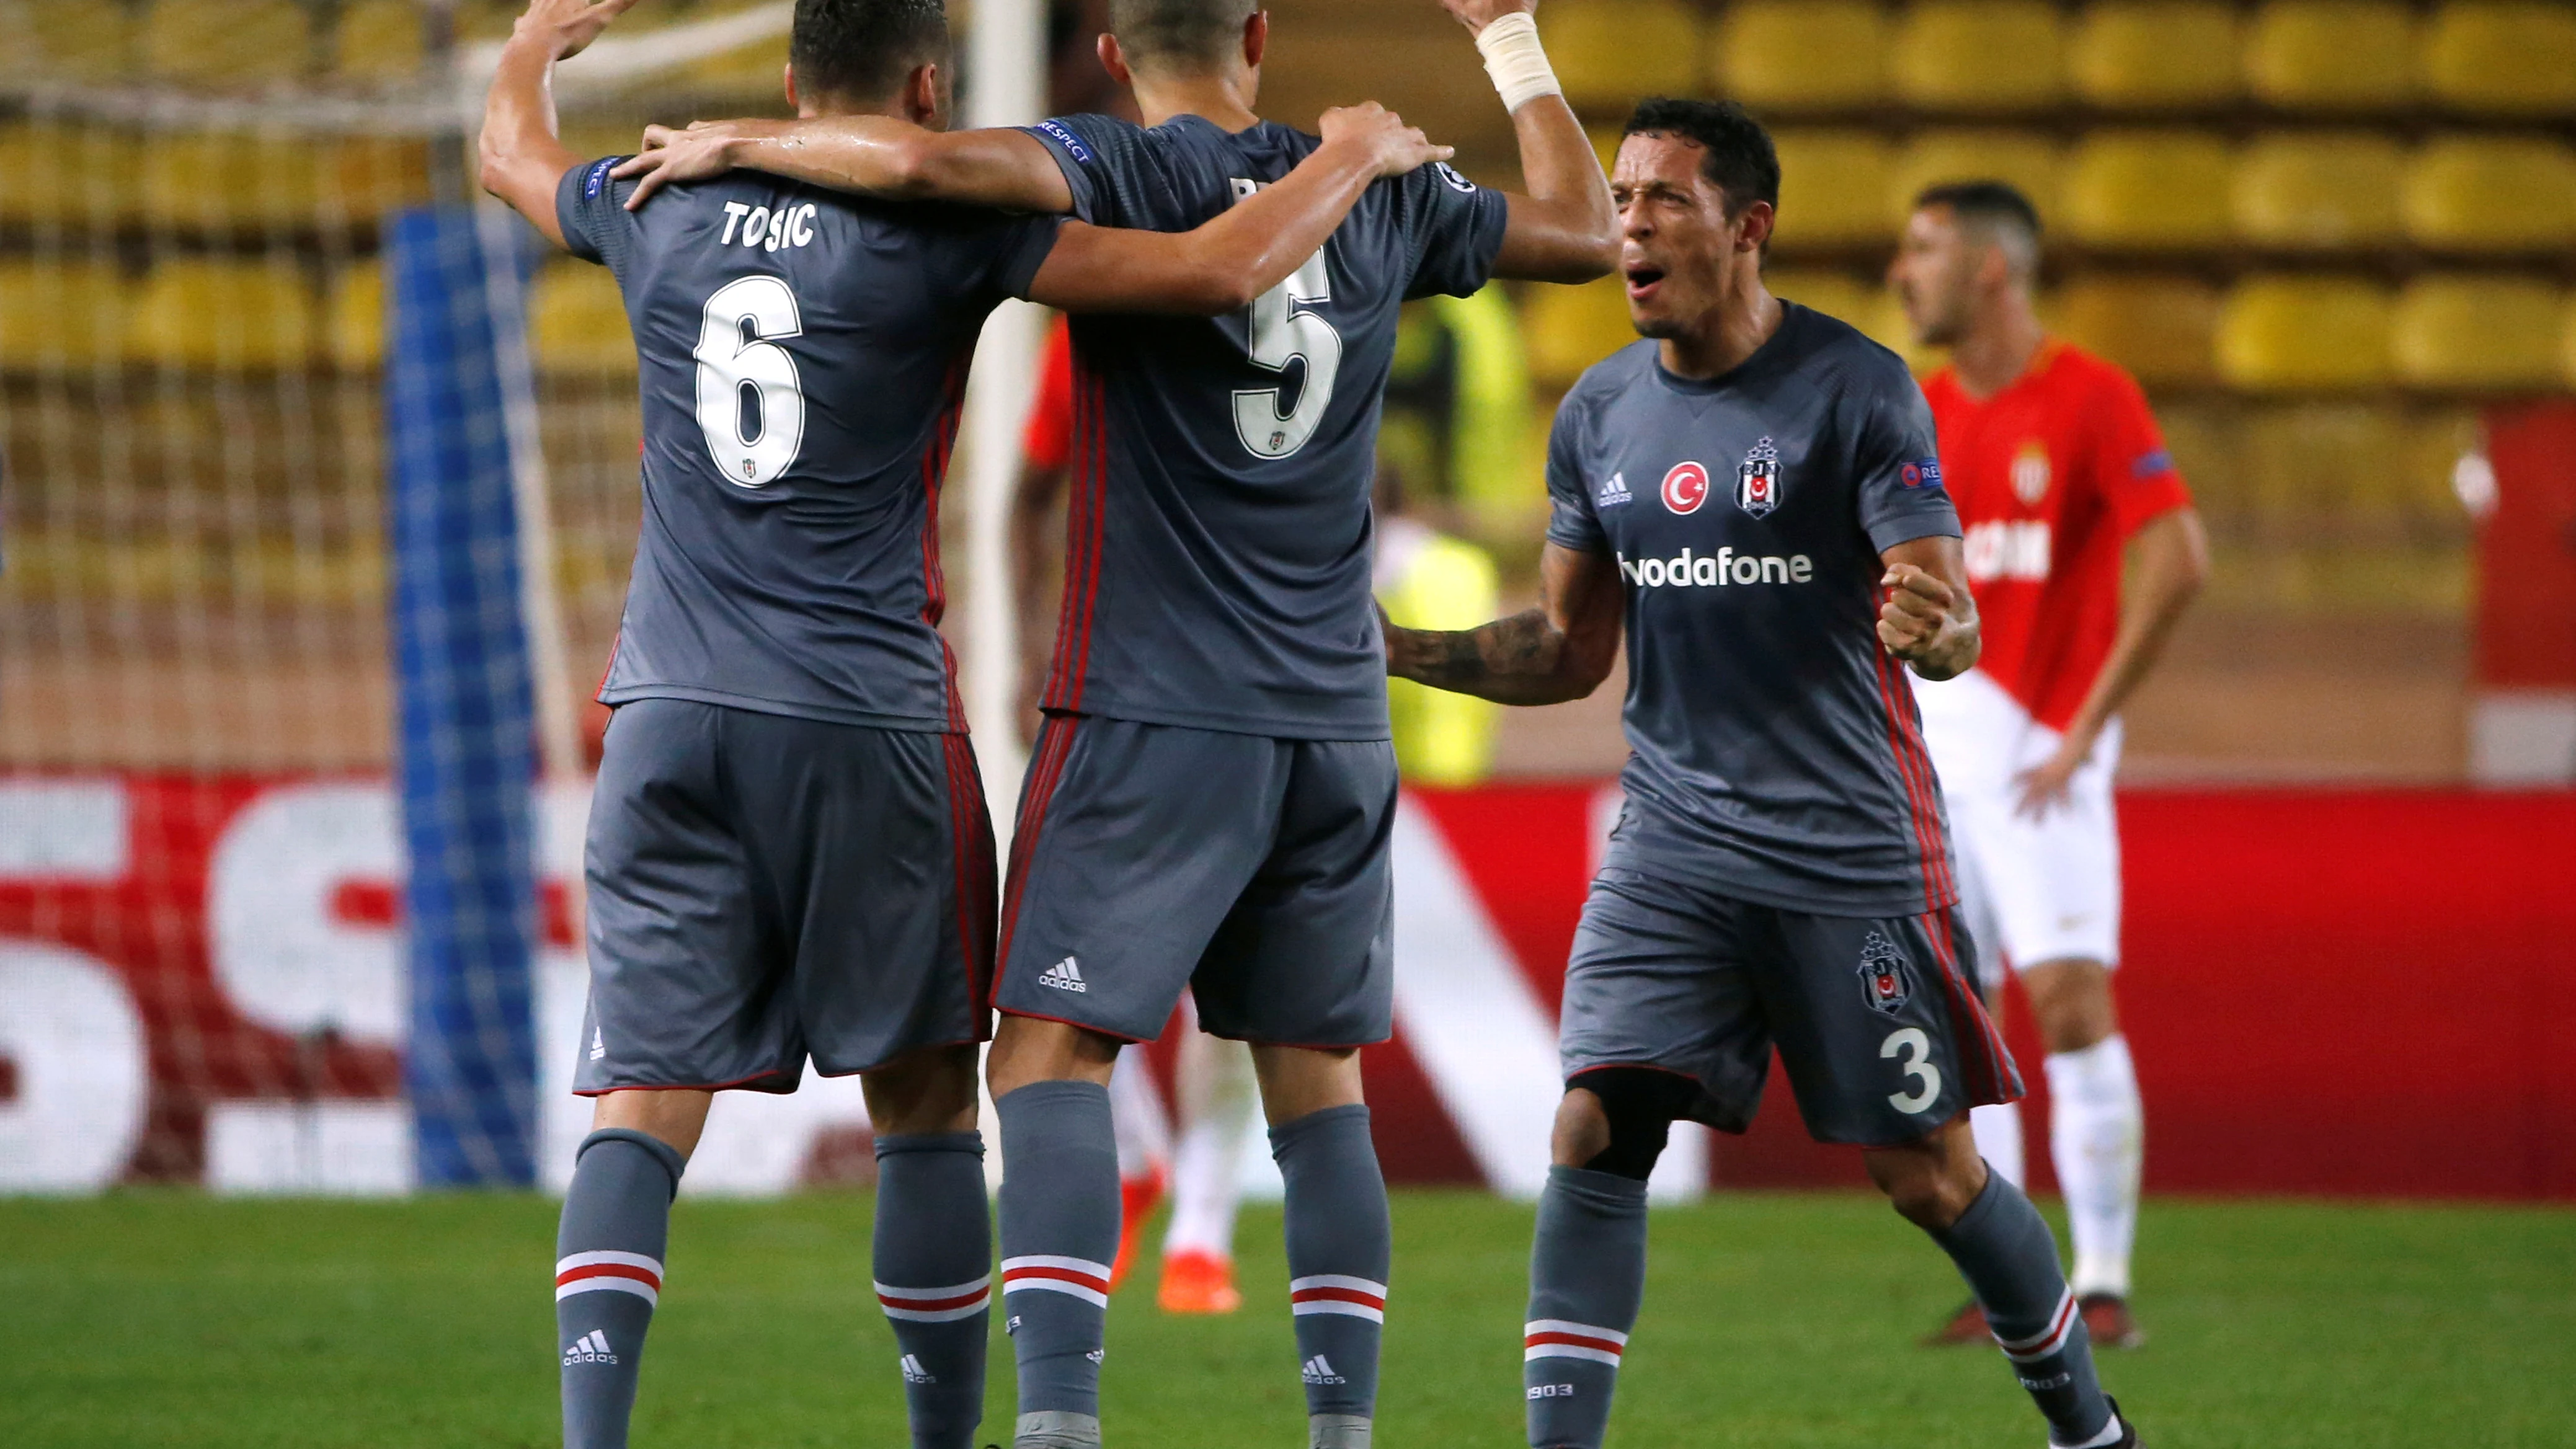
pixel 803 355
pixel 1218 560
pixel 1776 755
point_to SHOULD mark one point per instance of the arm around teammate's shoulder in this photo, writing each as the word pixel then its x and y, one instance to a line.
pixel 520 157
pixel 1225 263
pixel 874 155
pixel 1559 651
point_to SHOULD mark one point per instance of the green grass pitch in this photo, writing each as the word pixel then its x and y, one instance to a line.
pixel 1771 1320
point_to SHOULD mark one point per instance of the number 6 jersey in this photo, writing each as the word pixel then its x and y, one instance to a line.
pixel 1217 568
pixel 803 354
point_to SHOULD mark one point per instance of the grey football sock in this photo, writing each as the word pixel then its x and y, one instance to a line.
pixel 608 1275
pixel 934 1277
pixel 1339 1241
pixel 1587 1278
pixel 1059 1233
pixel 2005 1251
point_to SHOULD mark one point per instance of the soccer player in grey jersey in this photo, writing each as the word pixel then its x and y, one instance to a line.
pixel 1212 797
pixel 1754 494
pixel 788 855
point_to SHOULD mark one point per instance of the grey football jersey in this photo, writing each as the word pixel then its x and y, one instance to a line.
pixel 1775 750
pixel 1217 573
pixel 803 358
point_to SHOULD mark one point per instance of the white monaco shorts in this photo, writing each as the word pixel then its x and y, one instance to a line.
pixel 2037 890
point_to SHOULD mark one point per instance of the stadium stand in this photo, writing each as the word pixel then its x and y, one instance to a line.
pixel 57 319
pixel 2028 159
pixel 353 311
pixel 2491 194
pixel 1833 187
pixel 2477 333
pixel 227 42
pixel 2148 190
pixel 2332 55
pixel 1571 328
pixel 75 40
pixel 192 313
pixel 1612 51
pixel 2319 190
pixel 1978 55
pixel 2502 57
pixel 2158 327
pixel 577 322
pixel 378 42
pixel 2148 55
pixel 2288 333
pixel 1800 54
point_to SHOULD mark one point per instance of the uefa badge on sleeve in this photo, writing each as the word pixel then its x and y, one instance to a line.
pixel 1757 480
pixel 1883 981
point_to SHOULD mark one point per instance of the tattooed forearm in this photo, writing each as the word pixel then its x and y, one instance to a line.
pixel 1515 660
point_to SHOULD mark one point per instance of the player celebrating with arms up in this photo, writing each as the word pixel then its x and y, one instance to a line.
pixel 788 853
pixel 2057 467
pixel 1755 491
pixel 1213 795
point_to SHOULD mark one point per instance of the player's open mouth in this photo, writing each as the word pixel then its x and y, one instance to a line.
pixel 1641 282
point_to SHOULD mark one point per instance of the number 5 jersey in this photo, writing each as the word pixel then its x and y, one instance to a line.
pixel 803 356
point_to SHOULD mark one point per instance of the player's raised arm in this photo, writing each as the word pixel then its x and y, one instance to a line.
pixel 873 155
pixel 522 155
pixel 1558 651
pixel 1929 619
pixel 1222 265
pixel 1564 229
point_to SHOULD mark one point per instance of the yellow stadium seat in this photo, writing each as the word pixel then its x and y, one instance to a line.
pixel 353 316
pixel 1610 52
pixel 359 178
pixel 222 180
pixel 1834 293
pixel 2319 190
pixel 229 315
pixel 487 19
pixel 378 41
pixel 1978 55
pixel 57 318
pixel 1833 187
pixel 753 70
pixel 227 42
pixel 577 322
pixel 1794 54
pixel 2157 327
pixel 78 40
pixel 2515 57
pixel 2317 462
pixel 67 173
pixel 2155 54
pixel 1885 324
pixel 2027 160
pixel 1571 328
pixel 2333 55
pixel 2473 194
pixel 2478 333
pixel 2288 333
pixel 2146 189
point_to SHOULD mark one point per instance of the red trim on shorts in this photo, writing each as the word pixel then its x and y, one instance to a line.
pixel 934 473
pixel 1985 1060
pixel 1093 1028
pixel 1046 772
pixel 970 827
pixel 1922 791
pixel 1085 510
pixel 768 1076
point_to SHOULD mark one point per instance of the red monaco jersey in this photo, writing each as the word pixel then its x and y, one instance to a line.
pixel 2051 476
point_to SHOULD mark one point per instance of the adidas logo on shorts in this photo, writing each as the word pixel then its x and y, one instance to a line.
pixel 1319 1370
pixel 591 1347
pixel 1065 975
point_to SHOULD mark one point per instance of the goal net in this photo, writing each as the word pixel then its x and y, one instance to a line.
pixel 319 499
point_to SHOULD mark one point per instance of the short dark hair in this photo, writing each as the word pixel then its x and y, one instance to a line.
pixel 1739 156
pixel 1996 209
pixel 862 49
pixel 1187 33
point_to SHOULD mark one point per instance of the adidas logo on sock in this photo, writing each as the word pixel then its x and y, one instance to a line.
pixel 1319 1370
pixel 591 1347
pixel 1065 975
pixel 914 1373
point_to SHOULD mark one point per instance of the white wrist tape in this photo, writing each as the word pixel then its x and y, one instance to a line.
pixel 1516 61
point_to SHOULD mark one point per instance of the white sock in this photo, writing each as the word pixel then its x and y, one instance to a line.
pixel 2097 1137
pixel 1998 1133
pixel 1220 1099
pixel 1136 1114
pixel 2110 1435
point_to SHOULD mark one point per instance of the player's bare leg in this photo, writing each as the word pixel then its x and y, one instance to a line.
pixel 2097 1131
pixel 933 1250
pixel 2004 1249
pixel 609 1246
pixel 1339 1236
pixel 1050 1082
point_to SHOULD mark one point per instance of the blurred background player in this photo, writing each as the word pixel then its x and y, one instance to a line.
pixel 2059 471
pixel 1739 496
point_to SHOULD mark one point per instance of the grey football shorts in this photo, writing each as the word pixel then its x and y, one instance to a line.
pixel 1878 1024
pixel 1250 870
pixel 764 889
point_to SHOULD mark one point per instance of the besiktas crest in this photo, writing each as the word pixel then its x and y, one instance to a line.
pixel 1884 981
pixel 1757 480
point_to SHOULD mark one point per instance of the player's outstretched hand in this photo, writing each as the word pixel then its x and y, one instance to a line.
pixel 703 151
pixel 1919 611
pixel 1477 14
pixel 1397 147
pixel 567 27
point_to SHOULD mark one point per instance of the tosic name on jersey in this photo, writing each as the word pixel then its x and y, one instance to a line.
pixel 1722 569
